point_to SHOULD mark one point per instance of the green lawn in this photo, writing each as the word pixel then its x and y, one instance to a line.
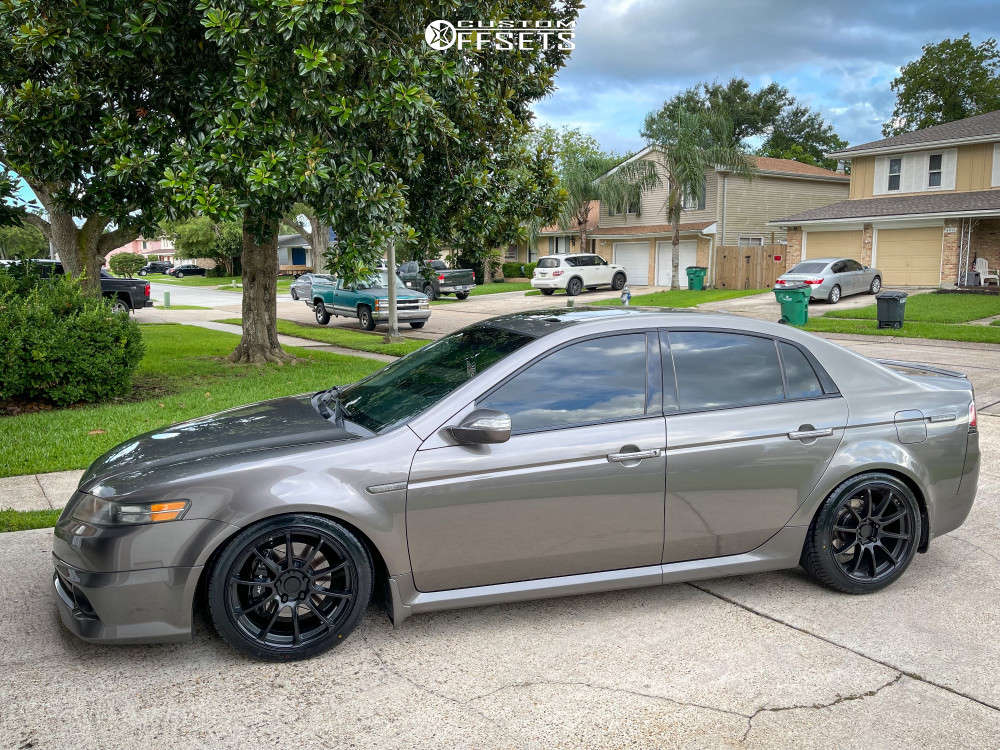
pixel 496 288
pixel 158 304
pixel 910 329
pixel 23 520
pixel 934 308
pixel 682 297
pixel 220 282
pixel 345 337
pixel 182 375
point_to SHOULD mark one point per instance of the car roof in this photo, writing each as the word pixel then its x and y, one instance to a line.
pixel 822 260
pixel 568 255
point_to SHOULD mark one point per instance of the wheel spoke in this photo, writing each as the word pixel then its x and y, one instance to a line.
pixel 868 492
pixel 289 555
pixel 312 553
pixel 296 635
pixel 328 592
pixel 894 518
pixel 893 535
pixel 887 552
pixel 857 561
pixel 327 571
pixel 274 617
pixel 884 505
pixel 244 582
pixel 253 607
pixel 846 529
pixel 319 614
pixel 271 564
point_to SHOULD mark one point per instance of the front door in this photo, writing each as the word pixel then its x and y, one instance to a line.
pixel 578 488
pixel 756 424
pixel 345 299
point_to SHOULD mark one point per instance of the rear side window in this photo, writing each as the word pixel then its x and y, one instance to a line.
pixel 808 268
pixel 548 263
pixel 800 377
pixel 718 370
pixel 598 380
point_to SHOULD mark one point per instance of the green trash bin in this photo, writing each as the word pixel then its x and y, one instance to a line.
pixel 794 301
pixel 696 277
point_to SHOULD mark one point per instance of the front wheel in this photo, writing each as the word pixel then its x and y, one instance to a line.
pixel 876 285
pixel 295 295
pixel 322 316
pixel 462 295
pixel 417 323
pixel 618 282
pixel 864 535
pixel 834 297
pixel 574 287
pixel 365 318
pixel 290 587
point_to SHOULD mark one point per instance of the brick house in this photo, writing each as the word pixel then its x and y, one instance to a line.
pixel 732 210
pixel 922 205
pixel 160 248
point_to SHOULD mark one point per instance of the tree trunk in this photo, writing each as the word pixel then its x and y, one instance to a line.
pixel 259 343
pixel 487 273
pixel 675 256
pixel 319 241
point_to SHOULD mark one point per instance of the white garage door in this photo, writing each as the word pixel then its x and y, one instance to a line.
pixel 634 256
pixel 688 251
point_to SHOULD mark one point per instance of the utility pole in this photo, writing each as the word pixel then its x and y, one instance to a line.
pixel 390 262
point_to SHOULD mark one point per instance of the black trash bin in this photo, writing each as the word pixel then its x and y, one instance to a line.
pixel 891 307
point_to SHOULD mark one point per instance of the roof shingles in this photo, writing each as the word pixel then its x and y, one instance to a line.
pixel 979 126
pixel 902 205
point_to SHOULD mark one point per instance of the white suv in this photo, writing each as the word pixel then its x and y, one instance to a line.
pixel 576 272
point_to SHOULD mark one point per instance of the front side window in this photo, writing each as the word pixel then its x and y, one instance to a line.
pixel 593 381
pixel 934 171
pixel 718 370
pixel 895 169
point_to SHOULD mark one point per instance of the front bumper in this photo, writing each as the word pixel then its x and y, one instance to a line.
pixel 136 606
pixel 383 315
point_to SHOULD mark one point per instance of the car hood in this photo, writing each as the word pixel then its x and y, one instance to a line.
pixel 280 422
pixel 401 292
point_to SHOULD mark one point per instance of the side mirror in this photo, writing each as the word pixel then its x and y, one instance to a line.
pixel 482 426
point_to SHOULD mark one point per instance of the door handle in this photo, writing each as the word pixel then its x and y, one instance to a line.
pixel 810 434
pixel 633 456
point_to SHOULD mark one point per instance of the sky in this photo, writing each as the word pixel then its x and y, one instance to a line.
pixel 837 56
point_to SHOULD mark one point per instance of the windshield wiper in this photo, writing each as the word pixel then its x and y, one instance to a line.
pixel 320 401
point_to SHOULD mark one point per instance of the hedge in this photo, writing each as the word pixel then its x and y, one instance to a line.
pixel 517 270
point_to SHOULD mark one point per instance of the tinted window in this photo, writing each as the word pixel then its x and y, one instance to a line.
pixel 852 265
pixel 808 268
pixel 724 369
pixel 598 380
pixel 598 260
pixel 839 267
pixel 548 263
pixel 799 375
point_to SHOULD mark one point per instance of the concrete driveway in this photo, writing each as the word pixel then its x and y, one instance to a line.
pixel 768 660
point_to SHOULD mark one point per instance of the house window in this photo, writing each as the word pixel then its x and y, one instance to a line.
pixel 510 255
pixel 632 207
pixel 593 246
pixel 934 171
pixel 895 169
pixel 145 244
pixel 751 241
pixel 693 202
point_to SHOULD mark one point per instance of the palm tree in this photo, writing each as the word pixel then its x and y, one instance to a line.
pixel 690 144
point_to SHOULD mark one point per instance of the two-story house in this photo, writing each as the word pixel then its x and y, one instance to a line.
pixel 731 210
pixel 922 206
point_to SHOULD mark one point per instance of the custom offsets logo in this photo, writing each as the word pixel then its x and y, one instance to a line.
pixel 505 36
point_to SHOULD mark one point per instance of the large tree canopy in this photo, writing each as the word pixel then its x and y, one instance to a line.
pixel 951 80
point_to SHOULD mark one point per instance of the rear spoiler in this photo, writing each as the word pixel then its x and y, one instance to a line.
pixel 922 368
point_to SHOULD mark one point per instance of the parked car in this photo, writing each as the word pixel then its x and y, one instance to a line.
pixel 124 294
pixel 156 266
pixel 301 288
pixel 833 278
pixel 434 278
pixel 368 301
pixel 187 269
pixel 538 454
pixel 576 272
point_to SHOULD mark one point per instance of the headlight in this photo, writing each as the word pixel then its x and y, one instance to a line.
pixel 100 512
pixel 423 303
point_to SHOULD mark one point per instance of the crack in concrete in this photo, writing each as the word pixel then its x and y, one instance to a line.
pixel 958 538
pixel 45 495
pixel 887 665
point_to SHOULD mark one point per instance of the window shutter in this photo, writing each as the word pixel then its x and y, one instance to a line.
pixel 701 199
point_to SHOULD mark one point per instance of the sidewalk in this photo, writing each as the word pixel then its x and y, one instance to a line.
pixel 38 491
pixel 294 341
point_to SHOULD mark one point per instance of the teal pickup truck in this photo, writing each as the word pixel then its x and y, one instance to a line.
pixel 368 301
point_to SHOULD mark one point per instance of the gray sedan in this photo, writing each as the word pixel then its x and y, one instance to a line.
pixel 833 278
pixel 688 446
pixel 301 288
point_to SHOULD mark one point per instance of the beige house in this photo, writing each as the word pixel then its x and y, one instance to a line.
pixel 922 205
pixel 732 210
pixel 553 240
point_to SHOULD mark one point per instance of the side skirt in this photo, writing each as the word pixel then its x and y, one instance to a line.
pixel 780 551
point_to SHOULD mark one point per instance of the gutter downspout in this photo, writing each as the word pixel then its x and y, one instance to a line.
pixel 722 223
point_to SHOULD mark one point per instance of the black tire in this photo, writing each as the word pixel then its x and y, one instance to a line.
pixel 295 295
pixel 305 602
pixel 322 316
pixel 462 295
pixel 179 275
pixel 417 323
pixel 876 286
pixel 142 271
pixel 834 296
pixel 618 282
pixel 120 305
pixel 851 546
pixel 365 318
pixel 574 287
pixel 429 291
pixel 548 292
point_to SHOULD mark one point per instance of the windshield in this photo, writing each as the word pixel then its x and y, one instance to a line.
pixel 808 268
pixel 405 388
pixel 380 281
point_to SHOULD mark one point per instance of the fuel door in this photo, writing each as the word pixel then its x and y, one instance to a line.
pixel 911 426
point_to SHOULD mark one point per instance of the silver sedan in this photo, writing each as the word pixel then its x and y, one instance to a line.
pixel 301 288
pixel 833 278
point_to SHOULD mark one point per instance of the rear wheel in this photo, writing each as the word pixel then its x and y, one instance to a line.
pixel 834 297
pixel 120 305
pixel 462 295
pixel 365 318
pixel 574 287
pixel 295 295
pixel 864 535
pixel 876 285
pixel 618 282
pixel 179 274
pixel 290 587
pixel 322 316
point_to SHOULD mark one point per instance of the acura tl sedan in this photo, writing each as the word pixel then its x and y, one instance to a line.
pixel 832 278
pixel 532 455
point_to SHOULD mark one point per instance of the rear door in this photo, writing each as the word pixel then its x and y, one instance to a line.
pixel 752 423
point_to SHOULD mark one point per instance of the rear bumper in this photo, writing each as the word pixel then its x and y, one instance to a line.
pixel 137 606
pixel 450 288
pixel 546 284
pixel 950 513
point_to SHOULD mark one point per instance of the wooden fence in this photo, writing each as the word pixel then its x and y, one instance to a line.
pixel 750 267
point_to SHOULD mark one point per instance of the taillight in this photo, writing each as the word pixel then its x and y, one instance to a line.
pixel 973 424
pixel 780 281
pixel 814 281
pixel 147 289
pixel 557 273
pixel 441 277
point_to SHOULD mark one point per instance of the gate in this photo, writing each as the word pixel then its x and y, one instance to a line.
pixel 749 267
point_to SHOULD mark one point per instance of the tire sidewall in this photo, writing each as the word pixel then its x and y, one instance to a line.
pixel 219 578
pixel 876 286
pixel 574 287
pixel 618 281
pixel 364 313
pixel 835 294
pixel 322 316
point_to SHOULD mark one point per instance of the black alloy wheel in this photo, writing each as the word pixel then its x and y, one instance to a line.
pixel 290 588
pixel 865 534
pixel 618 282
pixel 574 287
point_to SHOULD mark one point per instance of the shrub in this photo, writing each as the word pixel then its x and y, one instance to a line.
pixel 61 346
pixel 515 269
pixel 126 264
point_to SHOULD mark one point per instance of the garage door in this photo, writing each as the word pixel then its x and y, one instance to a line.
pixel 909 257
pixel 688 250
pixel 834 245
pixel 634 256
